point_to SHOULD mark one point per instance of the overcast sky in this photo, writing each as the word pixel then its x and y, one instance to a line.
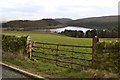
pixel 38 9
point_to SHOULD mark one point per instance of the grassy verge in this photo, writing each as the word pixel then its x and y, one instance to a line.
pixel 49 70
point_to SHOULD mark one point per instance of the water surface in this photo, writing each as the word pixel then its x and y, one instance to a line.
pixel 62 29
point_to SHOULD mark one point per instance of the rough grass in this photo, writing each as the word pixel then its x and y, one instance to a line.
pixel 49 70
pixel 39 66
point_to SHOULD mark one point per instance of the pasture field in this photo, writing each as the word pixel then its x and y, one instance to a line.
pixel 55 38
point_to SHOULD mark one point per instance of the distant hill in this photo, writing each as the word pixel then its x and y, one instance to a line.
pixel 105 22
pixel 63 20
pixel 28 24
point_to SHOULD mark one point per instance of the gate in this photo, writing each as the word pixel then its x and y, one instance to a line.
pixel 64 55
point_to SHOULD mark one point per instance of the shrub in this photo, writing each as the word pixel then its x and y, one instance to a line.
pixel 107 56
pixel 14 44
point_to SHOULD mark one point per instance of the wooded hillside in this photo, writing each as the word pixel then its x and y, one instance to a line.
pixel 105 22
pixel 28 24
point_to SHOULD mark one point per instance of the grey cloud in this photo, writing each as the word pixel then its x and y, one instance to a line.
pixel 79 7
pixel 35 10
pixel 27 9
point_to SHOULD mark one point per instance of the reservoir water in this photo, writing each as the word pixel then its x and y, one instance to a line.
pixel 62 29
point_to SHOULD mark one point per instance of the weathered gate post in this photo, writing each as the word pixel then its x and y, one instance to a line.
pixel 29 47
pixel 95 40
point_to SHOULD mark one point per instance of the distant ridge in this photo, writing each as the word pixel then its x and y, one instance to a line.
pixel 63 20
pixel 104 22
pixel 29 24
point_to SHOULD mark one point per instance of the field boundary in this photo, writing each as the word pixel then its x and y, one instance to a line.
pixel 56 59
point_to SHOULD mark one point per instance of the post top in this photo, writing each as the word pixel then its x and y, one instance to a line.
pixel 28 38
pixel 96 37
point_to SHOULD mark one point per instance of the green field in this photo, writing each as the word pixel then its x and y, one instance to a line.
pixel 54 38
pixel 51 38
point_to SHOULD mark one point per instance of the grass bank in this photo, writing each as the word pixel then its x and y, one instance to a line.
pixel 49 70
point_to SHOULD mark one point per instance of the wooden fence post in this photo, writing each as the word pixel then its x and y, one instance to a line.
pixel 95 40
pixel 57 54
pixel 29 47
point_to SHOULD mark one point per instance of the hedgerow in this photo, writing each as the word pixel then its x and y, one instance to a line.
pixel 107 56
pixel 14 44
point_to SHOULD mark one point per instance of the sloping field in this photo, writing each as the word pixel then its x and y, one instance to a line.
pixel 56 38
pixel 51 37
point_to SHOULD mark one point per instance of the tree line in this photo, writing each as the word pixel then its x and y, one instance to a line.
pixel 103 33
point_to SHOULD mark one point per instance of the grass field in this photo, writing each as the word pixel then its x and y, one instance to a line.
pixel 55 38
pixel 52 38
